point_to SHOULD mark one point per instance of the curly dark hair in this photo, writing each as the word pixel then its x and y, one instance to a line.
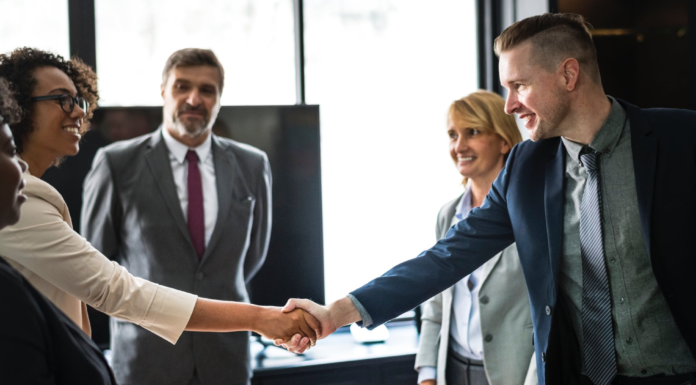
pixel 10 112
pixel 18 68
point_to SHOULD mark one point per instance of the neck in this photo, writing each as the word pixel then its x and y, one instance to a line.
pixel 37 164
pixel 479 189
pixel 189 141
pixel 590 113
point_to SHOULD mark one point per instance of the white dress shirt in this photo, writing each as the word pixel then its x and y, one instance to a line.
pixel 177 158
pixel 465 327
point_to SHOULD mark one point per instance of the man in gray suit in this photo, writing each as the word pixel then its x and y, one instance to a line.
pixel 187 209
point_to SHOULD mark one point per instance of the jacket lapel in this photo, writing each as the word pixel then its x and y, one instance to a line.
pixel 489 266
pixel 644 150
pixel 225 174
pixel 157 159
pixel 553 203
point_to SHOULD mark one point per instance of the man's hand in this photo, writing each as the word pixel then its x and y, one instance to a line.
pixel 429 382
pixel 277 324
pixel 337 314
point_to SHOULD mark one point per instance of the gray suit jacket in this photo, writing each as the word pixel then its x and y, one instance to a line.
pixel 132 213
pixel 504 310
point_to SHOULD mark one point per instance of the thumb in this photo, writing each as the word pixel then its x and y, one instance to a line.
pixel 290 306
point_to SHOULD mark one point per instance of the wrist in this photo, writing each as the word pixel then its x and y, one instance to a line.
pixel 258 316
pixel 343 312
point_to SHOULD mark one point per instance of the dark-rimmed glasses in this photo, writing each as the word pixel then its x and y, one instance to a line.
pixel 67 102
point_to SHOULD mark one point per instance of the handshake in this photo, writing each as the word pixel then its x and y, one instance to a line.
pixel 299 324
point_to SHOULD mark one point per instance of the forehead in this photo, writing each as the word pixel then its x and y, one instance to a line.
pixel 517 63
pixel 51 79
pixel 195 74
pixel 5 133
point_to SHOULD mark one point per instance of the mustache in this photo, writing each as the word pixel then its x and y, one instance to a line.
pixel 191 109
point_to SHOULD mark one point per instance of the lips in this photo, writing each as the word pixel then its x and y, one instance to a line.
pixel 72 130
pixel 528 119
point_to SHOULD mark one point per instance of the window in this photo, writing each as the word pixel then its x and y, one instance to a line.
pixel 41 24
pixel 384 74
pixel 254 40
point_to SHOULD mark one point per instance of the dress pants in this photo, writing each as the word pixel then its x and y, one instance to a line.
pixel 464 371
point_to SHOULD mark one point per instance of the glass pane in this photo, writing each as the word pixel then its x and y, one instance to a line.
pixel 384 73
pixel 254 40
pixel 39 24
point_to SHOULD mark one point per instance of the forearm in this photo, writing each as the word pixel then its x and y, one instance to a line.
pixel 223 316
pixel 343 312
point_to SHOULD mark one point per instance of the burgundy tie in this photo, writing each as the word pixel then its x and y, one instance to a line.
pixel 196 216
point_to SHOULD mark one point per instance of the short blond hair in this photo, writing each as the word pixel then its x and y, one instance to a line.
pixel 485 111
pixel 555 37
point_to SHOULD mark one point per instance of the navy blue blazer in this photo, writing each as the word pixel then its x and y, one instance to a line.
pixel 40 345
pixel 525 205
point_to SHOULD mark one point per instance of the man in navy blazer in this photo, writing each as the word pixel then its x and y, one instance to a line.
pixel 548 64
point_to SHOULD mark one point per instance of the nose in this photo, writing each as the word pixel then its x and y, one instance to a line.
pixel 511 103
pixel 462 143
pixel 78 112
pixel 194 98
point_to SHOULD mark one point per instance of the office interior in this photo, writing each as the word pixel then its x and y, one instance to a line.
pixel 348 99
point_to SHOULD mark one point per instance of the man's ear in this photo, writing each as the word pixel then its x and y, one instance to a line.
pixel 162 89
pixel 570 70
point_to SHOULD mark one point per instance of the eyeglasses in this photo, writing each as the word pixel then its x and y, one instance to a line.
pixel 67 102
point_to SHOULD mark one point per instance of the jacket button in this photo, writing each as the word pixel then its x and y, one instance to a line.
pixel 543 357
pixel 199 276
pixel 484 300
pixel 488 338
pixel 548 310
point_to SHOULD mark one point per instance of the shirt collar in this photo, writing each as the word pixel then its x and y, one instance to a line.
pixel 608 136
pixel 179 149
pixel 464 205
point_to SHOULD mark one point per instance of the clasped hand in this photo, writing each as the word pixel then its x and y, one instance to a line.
pixel 281 325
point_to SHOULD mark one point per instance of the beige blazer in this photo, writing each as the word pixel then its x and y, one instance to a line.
pixel 505 318
pixel 65 268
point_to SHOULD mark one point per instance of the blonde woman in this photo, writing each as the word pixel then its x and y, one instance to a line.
pixel 479 331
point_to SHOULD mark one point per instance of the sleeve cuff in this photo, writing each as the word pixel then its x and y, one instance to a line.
pixel 364 315
pixel 169 313
pixel 426 373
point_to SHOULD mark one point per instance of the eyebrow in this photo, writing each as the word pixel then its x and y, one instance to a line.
pixel 62 90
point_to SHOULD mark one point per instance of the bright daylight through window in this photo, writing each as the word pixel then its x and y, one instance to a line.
pixel 253 39
pixel 384 73
pixel 47 29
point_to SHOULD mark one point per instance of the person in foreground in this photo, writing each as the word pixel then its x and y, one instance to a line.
pixel 38 343
pixel 601 204
pixel 491 303
pixel 57 98
pixel 202 205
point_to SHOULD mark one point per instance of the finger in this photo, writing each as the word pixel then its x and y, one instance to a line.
pixel 302 346
pixel 306 329
pixel 314 324
pixel 290 306
pixel 278 342
pixel 304 304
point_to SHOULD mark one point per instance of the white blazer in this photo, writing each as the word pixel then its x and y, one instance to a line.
pixel 65 268
pixel 506 322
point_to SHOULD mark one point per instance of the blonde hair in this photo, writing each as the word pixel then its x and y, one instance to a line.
pixel 485 111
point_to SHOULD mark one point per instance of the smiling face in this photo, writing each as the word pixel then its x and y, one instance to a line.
pixel 191 102
pixel 536 95
pixel 11 169
pixel 476 154
pixel 56 133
